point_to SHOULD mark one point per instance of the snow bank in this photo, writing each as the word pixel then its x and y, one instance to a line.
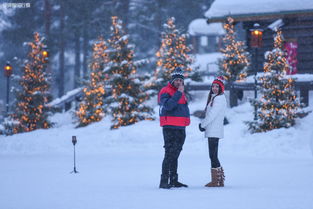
pixel 145 135
pixel 311 142
pixel 283 141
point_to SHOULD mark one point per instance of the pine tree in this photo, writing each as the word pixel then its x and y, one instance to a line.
pixel 31 111
pixel 91 108
pixel 143 26
pixel 235 62
pixel 278 105
pixel 127 97
pixel 172 53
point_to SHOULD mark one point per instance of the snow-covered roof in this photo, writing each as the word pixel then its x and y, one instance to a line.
pixel 207 62
pixel 200 26
pixel 222 8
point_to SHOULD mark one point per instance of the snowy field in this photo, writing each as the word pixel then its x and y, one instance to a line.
pixel 120 169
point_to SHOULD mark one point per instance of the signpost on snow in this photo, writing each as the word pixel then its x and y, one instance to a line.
pixel 74 141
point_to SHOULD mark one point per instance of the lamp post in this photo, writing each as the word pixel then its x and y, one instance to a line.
pixel 74 141
pixel 256 42
pixel 8 72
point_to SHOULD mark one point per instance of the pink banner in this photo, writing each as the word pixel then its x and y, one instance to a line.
pixel 291 55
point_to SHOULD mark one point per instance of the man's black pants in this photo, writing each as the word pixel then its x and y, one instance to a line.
pixel 174 140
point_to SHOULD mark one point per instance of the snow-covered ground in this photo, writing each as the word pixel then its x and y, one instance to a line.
pixel 120 169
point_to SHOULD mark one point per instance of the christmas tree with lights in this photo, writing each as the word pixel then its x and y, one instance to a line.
pixel 31 111
pixel 126 102
pixel 278 105
pixel 172 53
pixel 91 108
pixel 235 62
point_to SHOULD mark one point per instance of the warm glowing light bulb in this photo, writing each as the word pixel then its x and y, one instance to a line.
pixel 45 53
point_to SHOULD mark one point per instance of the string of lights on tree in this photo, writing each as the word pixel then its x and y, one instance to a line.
pixel 235 62
pixel 30 109
pixel 172 53
pixel 91 108
pixel 278 105
pixel 126 102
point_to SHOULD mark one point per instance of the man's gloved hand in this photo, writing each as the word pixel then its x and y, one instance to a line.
pixel 200 128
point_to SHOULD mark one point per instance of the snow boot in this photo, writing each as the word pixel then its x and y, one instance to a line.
pixel 175 183
pixel 164 182
pixel 221 177
pixel 214 178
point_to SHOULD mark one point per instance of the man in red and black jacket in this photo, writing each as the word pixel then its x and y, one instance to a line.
pixel 174 117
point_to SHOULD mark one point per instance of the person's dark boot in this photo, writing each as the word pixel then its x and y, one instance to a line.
pixel 164 182
pixel 175 183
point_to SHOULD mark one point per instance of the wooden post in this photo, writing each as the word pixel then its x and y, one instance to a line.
pixel 62 51
pixel 233 98
pixel 67 106
pixel 304 95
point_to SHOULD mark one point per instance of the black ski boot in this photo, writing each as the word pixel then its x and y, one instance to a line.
pixel 175 183
pixel 164 182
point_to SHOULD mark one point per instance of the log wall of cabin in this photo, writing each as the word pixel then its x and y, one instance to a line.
pixel 298 28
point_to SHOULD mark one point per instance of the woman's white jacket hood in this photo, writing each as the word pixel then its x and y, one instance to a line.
pixel 214 118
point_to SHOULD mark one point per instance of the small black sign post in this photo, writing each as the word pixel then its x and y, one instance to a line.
pixel 74 141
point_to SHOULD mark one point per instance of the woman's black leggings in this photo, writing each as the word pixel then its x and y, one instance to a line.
pixel 213 151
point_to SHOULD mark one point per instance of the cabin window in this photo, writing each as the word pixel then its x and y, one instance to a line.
pixel 204 41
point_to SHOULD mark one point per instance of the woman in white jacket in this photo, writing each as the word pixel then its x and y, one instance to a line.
pixel 213 125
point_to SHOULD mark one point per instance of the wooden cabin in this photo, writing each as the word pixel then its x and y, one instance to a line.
pixel 205 38
pixel 294 18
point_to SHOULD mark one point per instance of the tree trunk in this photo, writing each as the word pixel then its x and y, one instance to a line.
pixel 85 49
pixel 77 59
pixel 47 16
pixel 158 19
pixel 62 49
pixel 125 14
